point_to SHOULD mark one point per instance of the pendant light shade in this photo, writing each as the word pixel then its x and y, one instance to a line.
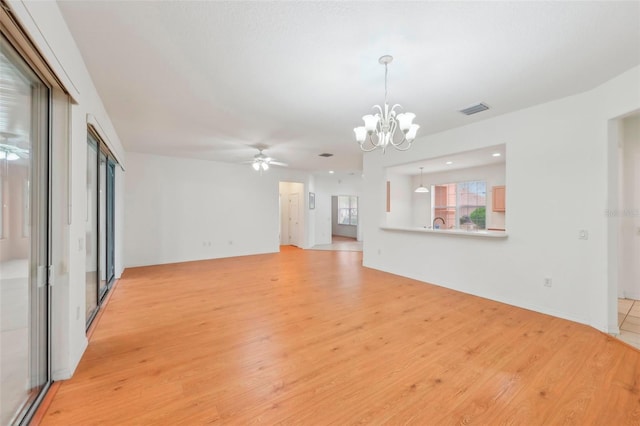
pixel 421 189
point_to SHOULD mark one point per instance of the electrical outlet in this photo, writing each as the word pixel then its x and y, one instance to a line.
pixel 548 282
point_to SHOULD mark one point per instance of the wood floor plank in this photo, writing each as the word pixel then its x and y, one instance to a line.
pixel 313 338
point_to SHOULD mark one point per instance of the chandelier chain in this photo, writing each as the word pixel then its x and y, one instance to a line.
pixel 386 70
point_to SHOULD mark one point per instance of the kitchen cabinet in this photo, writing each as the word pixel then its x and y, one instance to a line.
pixel 498 195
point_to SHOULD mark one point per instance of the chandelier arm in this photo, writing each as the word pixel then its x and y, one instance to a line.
pixel 401 143
pixel 399 146
pixel 373 145
pixel 393 125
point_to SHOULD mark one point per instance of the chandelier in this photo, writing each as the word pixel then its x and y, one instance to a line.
pixel 379 129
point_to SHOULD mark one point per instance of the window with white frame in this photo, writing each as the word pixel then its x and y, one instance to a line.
pixel 347 210
pixel 459 205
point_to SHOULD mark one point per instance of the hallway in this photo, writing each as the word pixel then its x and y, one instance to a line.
pixel 629 321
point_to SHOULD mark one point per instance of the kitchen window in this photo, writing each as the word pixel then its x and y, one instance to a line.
pixel 459 205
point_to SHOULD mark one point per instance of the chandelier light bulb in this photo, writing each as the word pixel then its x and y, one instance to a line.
pixel 411 134
pixel 405 120
pixel 370 122
pixel 10 156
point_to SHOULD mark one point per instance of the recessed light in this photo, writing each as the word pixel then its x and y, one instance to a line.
pixel 496 154
pixel 330 171
pixel 448 163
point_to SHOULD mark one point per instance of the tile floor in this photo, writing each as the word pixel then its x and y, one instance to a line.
pixel 629 321
pixel 340 244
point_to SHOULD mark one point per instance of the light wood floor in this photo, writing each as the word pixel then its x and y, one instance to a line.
pixel 313 338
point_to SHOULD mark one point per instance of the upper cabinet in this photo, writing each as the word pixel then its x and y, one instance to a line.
pixel 499 199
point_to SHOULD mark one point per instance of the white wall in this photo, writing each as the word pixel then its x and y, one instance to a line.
pixel 47 29
pixel 629 210
pixel 325 188
pixel 182 209
pixel 493 175
pixel 557 174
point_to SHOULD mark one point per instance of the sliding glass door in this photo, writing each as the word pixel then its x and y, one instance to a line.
pixel 100 245
pixel 24 241
pixel 110 221
pixel 91 231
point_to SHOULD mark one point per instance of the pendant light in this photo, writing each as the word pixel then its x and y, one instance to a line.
pixel 421 189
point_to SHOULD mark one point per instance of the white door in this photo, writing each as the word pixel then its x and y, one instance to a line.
pixel 294 219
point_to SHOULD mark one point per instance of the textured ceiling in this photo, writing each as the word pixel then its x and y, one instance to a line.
pixel 210 80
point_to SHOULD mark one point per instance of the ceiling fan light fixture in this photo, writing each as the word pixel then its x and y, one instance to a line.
pixel 10 156
pixel 256 166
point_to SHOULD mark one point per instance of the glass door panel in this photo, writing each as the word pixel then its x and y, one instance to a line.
pixel 24 297
pixel 102 220
pixel 91 230
pixel 111 180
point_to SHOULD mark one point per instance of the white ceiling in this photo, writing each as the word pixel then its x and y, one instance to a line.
pixel 459 160
pixel 211 79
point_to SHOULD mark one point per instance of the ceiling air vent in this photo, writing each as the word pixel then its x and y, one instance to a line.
pixel 474 109
pixel 326 154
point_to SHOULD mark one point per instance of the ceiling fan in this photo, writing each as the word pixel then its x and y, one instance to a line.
pixel 261 162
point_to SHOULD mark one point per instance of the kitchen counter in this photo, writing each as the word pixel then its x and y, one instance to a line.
pixel 448 232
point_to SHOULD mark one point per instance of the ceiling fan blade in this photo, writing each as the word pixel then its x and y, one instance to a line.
pixel 12 149
pixel 278 163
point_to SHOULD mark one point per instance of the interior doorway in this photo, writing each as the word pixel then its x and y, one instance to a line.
pixel 624 227
pixel 344 218
pixel 291 214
